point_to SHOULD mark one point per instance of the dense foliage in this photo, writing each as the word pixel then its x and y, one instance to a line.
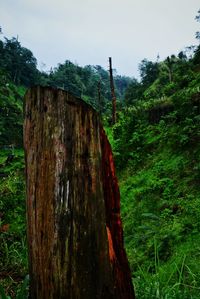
pixel 157 153
pixel 86 82
pixel 156 147
pixel 17 62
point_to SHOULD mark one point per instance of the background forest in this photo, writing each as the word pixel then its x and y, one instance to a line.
pixel 156 145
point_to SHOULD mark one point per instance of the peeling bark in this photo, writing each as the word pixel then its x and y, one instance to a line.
pixel 74 227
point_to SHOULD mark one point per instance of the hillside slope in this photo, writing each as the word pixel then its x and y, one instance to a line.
pixel 157 150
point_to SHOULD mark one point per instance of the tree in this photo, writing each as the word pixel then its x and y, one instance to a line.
pixel 121 83
pixel 197 18
pixel 170 63
pixel 112 88
pixel 196 58
pixel 18 62
pixel 148 71
pixel 133 92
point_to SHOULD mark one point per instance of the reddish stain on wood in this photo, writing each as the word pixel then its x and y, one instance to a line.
pixel 73 204
pixel 118 258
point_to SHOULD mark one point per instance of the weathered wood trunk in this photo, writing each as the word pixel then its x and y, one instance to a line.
pixel 74 228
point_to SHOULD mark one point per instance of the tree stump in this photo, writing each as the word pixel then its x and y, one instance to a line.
pixel 74 229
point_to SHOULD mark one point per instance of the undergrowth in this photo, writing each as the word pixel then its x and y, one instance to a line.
pixel 13 247
pixel 158 165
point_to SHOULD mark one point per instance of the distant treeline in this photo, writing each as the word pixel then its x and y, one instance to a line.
pixel 19 65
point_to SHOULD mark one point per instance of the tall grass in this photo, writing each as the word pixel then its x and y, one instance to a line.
pixel 174 280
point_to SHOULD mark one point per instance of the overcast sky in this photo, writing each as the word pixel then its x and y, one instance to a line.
pixel 89 31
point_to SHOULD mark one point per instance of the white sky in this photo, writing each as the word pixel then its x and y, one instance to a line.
pixel 89 31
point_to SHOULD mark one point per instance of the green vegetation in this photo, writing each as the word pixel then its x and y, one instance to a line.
pixel 157 153
pixel 13 249
pixel 161 205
